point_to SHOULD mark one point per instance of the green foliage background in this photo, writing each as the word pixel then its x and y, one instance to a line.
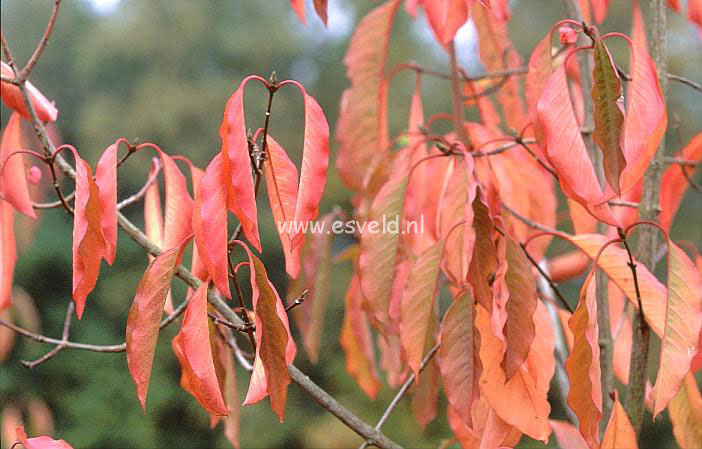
pixel 162 71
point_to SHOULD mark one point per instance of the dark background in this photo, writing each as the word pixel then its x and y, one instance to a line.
pixel 162 72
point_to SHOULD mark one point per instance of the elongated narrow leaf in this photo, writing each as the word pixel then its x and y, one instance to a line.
pixel 232 422
pixel 540 68
pixel 675 183
pixel 583 367
pixel 619 433
pixel 299 7
pixel 106 181
pixel 599 9
pixel 209 222
pixel 484 262
pixel 193 343
pixel 446 17
pixel 88 241
pixel 683 321
pixel 315 160
pixel 458 357
pixel 359 112
pixel 153 213
pixel 357 343
pixel 522 400
pixel 13 183
pixel 282 186
pixel 565 149
pixel 275 348
pixel 43 442
pixel 608 113
pixel 236 164
pixel 13 98
pixel 417 304
pixel 378 246
pixel 177 223
pixel 145 315
pixel 425 394
pixel 8 253
pixel 686 414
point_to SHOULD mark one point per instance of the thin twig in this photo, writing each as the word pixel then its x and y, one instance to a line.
pixel 527 221
pixel 54 204
pixel 622 203
pixel 236 327
pixel 674 160
pixel 299 300
pixel 59 347
pixel 140 194
pixel 24 73
pixel 401 392
pixel 545 275
pixel 681 79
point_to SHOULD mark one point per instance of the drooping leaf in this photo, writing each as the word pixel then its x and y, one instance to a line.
pixel 522 400
pixel 675 182
pixel 567 435
pixel 8 253
pixel 88 241
pixel 299 7
pixel 540 67
pixel 417 304
pixel 106 181
pixel 446 17
pixel 359 112
pixel 43 442
pixel 565 149
pixel 13 184
pixel 425 394
pixel 378 247
pixel 145 315
pixel 320 7
pixel 236 165
pixel 583 367
pixel 12 96
pixel 178 206
pixel 683 323
pixel 193 344
pixel 357 343
pixel 458 356
pixel 608 113
pixel 685 411
pixel 619 433
pixel 484 263
pixel 599 9
pixel 209 222
pixel 275 348
pixel 232 422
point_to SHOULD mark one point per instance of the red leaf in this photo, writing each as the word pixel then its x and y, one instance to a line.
pixel 315 160
pixel 193 346
pixel 674 5
pixel 106 181
pixel 694 14
pixel 566 150
pixel 40 442
pixel 675 182
pixel 8 253
pixel 583 366
pixel 145 315
pixel 599 8
pixel 282 185
pixel 209 223
pixel 88 241
pixel 357 344
pixel 179 204
pixel 619 433
pixel 379 248
pixel 359 123
pixel 418 301
pixel 236 164
pixel 13 184
pixel 458 355
pixel 12 96
pixel 299 7
pixel 683 324
pixel 275 348
pixel 320 7
pixel 446 17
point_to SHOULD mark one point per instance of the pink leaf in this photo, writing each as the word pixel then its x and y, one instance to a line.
pixel 8 253
pixel 40 442
pixel 106 180
pixel 12 96
pixel 13 184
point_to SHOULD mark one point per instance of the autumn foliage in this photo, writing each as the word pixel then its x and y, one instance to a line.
pixel 469 307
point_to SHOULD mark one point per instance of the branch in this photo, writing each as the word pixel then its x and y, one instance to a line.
pixel 545 275
pixel 59 347
pixel 527 221
pixel 24 73
pixel 140 194
pixel 401 392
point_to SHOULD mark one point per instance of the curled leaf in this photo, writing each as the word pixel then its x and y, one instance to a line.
pixel 13 183
pixel 12 96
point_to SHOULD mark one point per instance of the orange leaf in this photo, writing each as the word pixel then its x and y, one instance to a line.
pixel 88 241
pixel 417 304
pixel 359 123
pixel 683 321
pixel 209 222
pixel 13 98
pixel 236 165
pixel 675 182
pixel 567 435
pixel 619 433
pixel 685 411
pixel 193 346
pixel 299 7
pixel 484 262
pixel 425 394
pixel 458 356
pixel 446 17
pixel 13 184
pixel 145 315
pixel 40 442
pixel 179 204
pixel 583 366
pixel 275 348
pixel 357 344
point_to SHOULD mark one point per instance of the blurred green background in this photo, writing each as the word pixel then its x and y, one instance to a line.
pixel 162 71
